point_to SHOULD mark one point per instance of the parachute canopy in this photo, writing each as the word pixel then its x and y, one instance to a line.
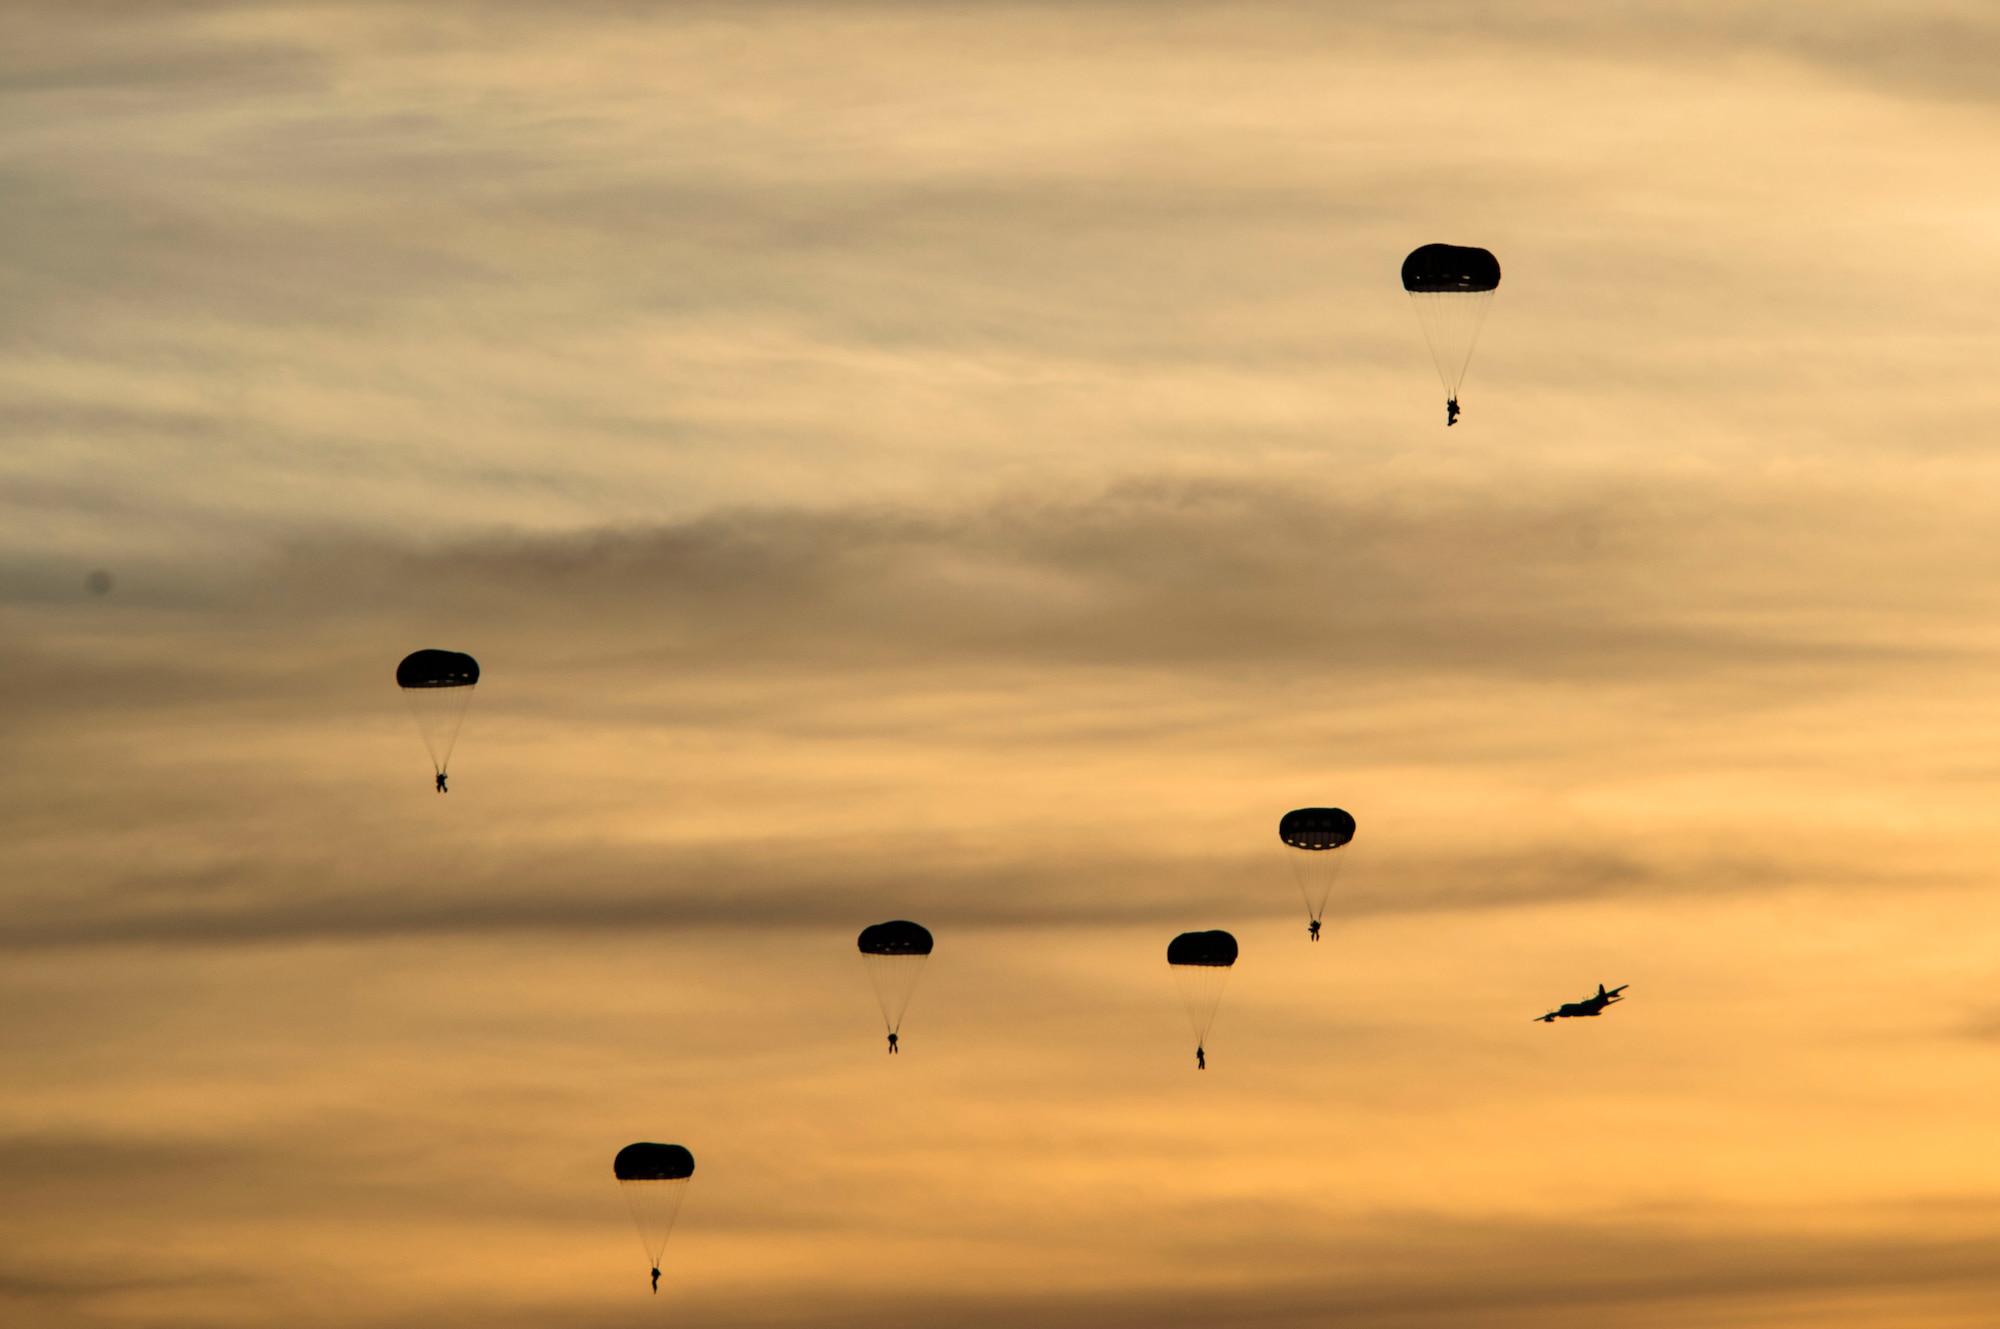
pixel 437 669
pixel 1316 829
pixel 899 937
pixel 1451 287
pixel 1432 268
pixel 1209 950
pixel 653 1162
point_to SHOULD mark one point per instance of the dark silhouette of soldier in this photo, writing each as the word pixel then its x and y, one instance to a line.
pixel 441 788
pixel 1313 927
pixel 1450 411
pixel 1200 1058
pixel 892 1042
pixel 656 1280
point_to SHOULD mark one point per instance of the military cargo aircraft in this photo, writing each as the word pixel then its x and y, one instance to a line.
pixel 1570 1010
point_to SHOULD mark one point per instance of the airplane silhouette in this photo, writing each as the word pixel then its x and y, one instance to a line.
pixel 1570 1010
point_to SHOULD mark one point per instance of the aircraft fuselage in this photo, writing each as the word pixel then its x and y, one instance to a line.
pixel 1576 1010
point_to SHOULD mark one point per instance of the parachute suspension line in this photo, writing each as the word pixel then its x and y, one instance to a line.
pixel 439 713
pixel 1316 871
pixel 1201 994
pixel 655 1204
pixel 895 981
pixel 1451 321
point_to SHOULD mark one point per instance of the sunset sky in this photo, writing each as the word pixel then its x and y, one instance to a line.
pixel 976 463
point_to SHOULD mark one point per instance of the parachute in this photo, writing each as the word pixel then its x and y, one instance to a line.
pixel 1201 961
pixel 438 685
pixel 1316 837
pixel 654 1178
pixel 894 953
pixel 1451 286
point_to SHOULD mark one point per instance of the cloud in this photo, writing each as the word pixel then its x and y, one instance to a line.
pixel 1937 49
pixel 1400 1271
pixel 1432 1272
pixel 1194 574
pixel 271 270
pixel 1023 645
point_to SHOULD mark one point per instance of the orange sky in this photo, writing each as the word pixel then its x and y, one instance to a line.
pixel 975 463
